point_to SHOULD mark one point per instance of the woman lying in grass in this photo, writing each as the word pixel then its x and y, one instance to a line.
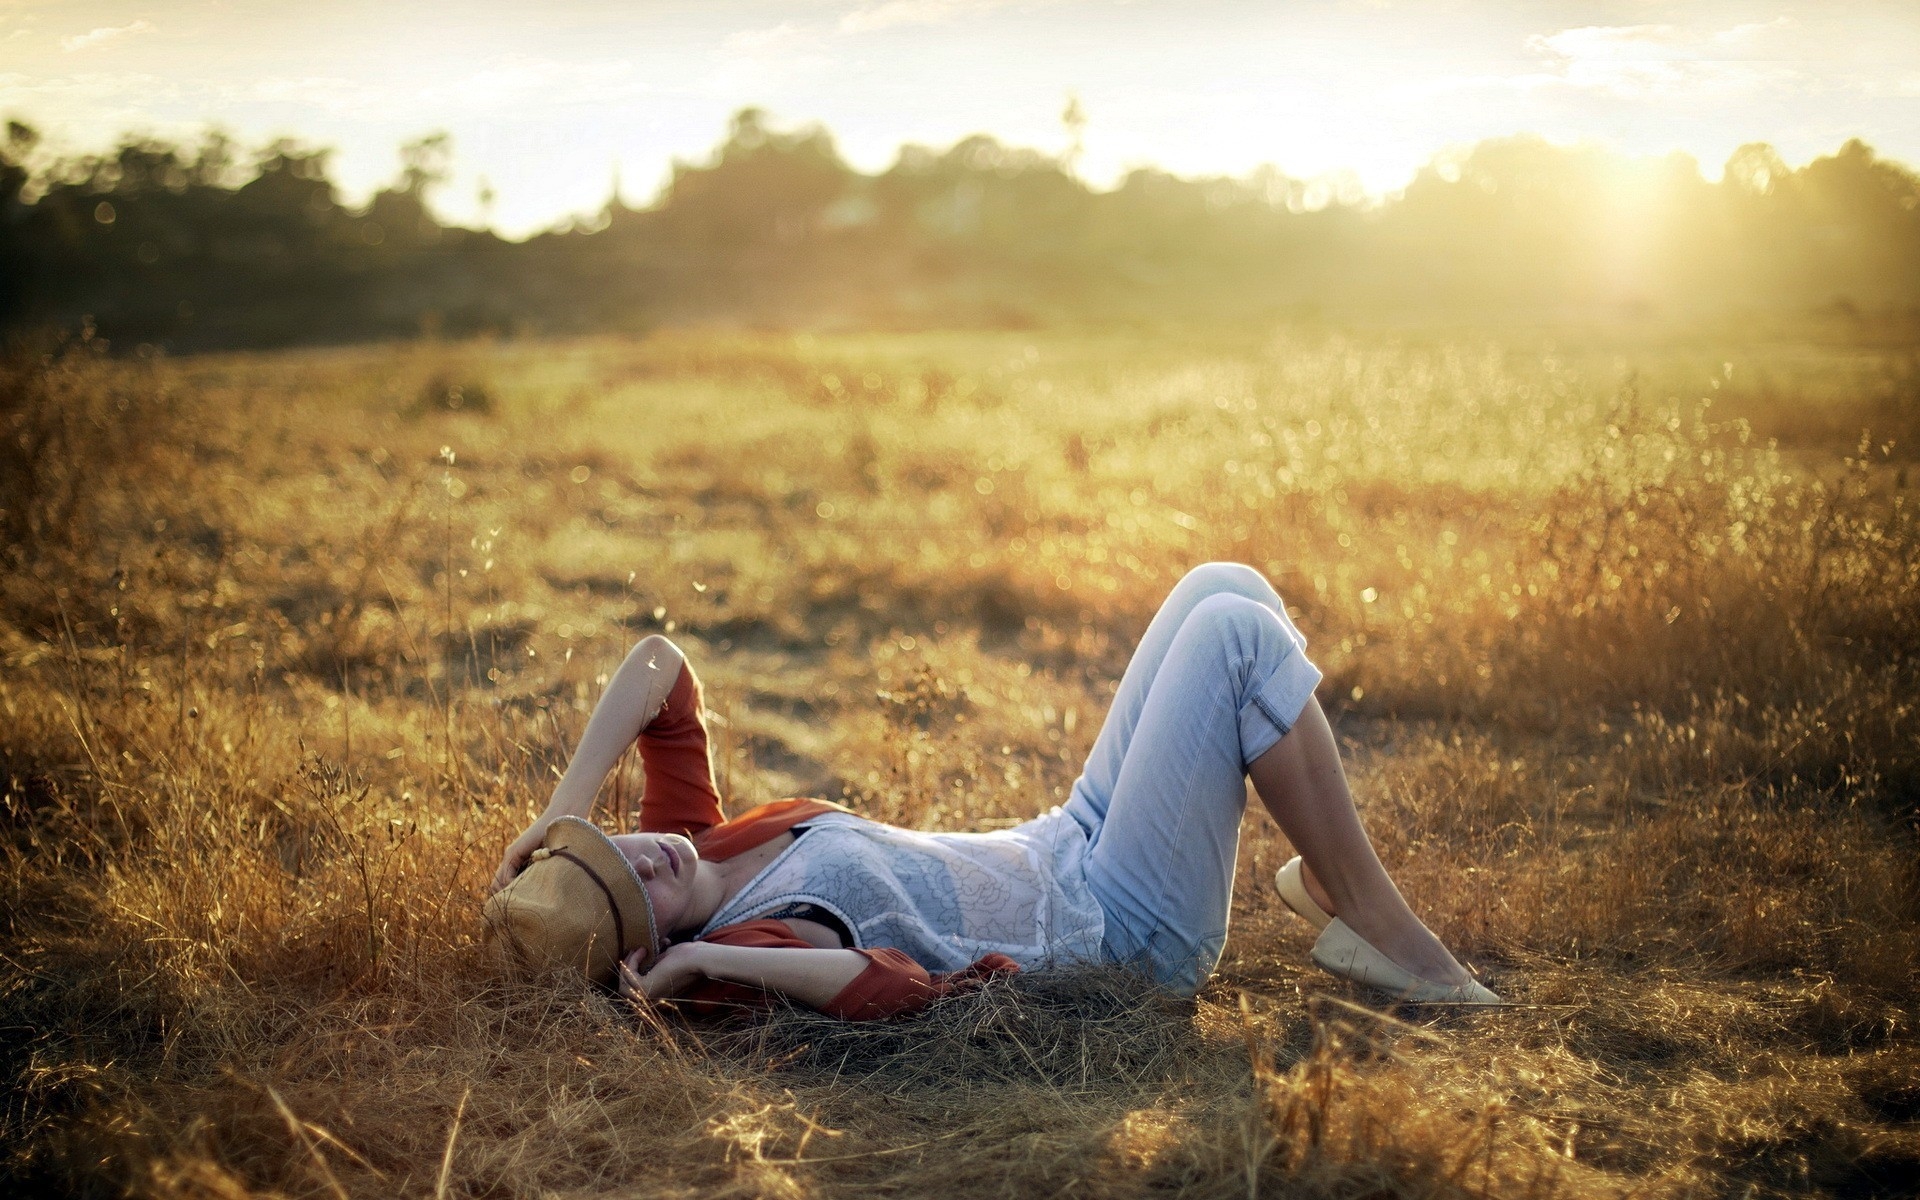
pixel 864 920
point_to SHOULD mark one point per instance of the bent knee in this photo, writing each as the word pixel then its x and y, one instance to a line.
pixel 1229 609
pixel 1229 578
pixel 1230 617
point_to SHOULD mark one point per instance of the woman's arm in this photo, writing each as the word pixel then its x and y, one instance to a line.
pixel 872 984
pixel 633 696
pixel 811 976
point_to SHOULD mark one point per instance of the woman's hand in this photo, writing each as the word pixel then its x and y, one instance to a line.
pixel 676 970
pixel 518 851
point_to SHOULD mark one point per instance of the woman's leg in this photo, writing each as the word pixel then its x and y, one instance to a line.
pixel 1226 687
pixel 1301 782
pixel 1093 790
pixel 1202 704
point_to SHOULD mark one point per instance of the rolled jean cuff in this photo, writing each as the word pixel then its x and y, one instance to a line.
pixel 1276 704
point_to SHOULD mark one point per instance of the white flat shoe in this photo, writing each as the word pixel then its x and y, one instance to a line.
pixel 1293 891
pixel 1341 951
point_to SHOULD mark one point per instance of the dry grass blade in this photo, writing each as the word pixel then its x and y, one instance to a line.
pixel 446 1157
pixel 299 1130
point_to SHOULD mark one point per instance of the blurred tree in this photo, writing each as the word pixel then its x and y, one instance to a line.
pixel 1756 167
pixel 1074 118
pixel 17 280
pixel 213 166
pixel 749 222
pixel 1862 215
pixel 425 163
pixel 211 247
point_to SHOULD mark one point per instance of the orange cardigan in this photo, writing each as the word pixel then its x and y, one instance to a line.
pixel 680 797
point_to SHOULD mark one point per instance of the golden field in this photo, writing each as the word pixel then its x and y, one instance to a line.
pixel 1621 637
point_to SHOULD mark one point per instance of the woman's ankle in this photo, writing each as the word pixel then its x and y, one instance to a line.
pixel 1317 890
pixel 1410 944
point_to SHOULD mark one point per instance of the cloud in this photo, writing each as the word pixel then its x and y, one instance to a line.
pixel 323 93
pixel 1903 88
pixel 1637 60
pixel 509 82
pixel 773 39
pixel 752 59
pixel 1663 43
pixel 103 35
pixel 892 13
pixel 104 92
pixel 519 81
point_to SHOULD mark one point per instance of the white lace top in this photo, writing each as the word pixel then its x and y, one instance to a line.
pixel 945 899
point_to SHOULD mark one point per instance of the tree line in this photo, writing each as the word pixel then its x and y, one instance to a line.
pixel 209 246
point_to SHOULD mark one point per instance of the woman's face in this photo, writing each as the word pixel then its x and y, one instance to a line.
pixel 666 864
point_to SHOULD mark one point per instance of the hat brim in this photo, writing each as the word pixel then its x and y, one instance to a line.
pixel 585 841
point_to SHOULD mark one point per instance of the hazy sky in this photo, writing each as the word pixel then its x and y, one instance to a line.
pixel 543 99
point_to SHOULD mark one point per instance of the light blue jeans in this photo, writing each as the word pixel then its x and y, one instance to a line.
pixel 1219 677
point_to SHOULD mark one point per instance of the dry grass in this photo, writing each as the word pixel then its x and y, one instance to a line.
pixel 1622 644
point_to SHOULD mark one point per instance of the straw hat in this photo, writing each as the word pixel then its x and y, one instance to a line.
pixel 577 903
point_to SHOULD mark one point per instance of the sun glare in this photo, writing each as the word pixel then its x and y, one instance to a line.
pixel 1635 238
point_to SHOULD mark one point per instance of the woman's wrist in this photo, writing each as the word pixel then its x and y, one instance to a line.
pixel 708 959
pixel 561 805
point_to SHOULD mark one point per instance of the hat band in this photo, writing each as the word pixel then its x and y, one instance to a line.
pixel 613 906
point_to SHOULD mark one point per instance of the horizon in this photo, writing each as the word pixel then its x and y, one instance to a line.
pixel 548 111
pixel 1307 194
